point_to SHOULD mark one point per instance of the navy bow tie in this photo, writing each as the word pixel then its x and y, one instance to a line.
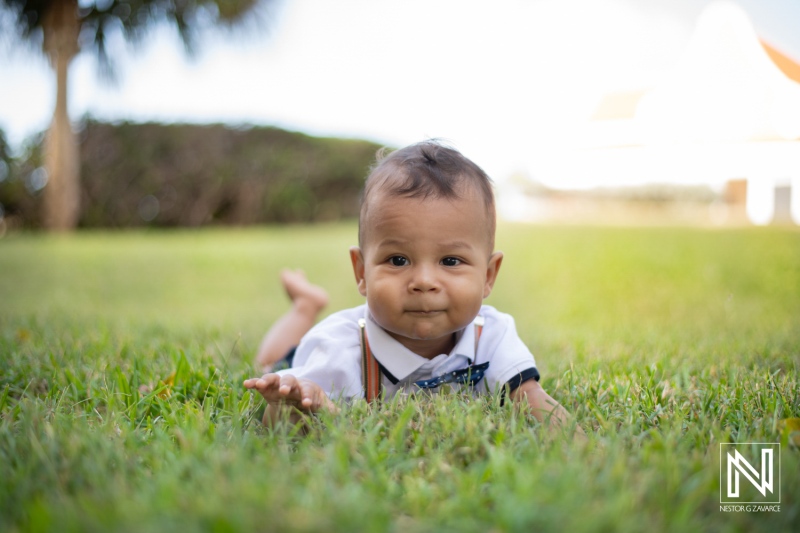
pixel 470 375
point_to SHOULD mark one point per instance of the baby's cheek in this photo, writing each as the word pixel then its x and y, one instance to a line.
pixel 380 312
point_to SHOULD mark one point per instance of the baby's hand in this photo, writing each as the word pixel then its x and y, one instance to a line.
pixel 302 394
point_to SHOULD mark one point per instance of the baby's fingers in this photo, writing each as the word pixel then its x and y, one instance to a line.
pixel 260 383
pixel 289 389
pixel 312 396
pixel 305 395
pixel 268 381
pixel 250 383
pixel 266 385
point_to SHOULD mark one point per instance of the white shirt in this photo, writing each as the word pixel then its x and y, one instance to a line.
pixel 330 355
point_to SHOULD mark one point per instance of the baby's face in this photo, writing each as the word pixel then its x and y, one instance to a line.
pixel 425 267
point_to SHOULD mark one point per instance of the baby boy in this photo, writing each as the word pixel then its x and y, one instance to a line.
pixel 425 262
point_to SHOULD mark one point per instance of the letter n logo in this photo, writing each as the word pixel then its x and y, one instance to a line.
pixel 747 466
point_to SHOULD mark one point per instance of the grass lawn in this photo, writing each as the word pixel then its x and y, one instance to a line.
pixel 121 405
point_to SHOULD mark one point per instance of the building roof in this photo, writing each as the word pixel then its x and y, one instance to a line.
pixel 788 66
pixel 624 104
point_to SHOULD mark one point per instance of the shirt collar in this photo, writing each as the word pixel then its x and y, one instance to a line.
pixel 402 362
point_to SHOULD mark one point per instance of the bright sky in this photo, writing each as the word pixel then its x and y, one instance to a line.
pixel 497 79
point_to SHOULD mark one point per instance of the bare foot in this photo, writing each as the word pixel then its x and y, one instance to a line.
pixel 304 295
pixel 308 300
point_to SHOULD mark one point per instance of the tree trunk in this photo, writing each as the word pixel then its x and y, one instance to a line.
pixel 62 193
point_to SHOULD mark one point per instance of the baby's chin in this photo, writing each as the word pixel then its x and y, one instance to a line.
pixel 423 329
pixel 422 333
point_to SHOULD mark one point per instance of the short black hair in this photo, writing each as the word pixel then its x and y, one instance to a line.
pixel 428 169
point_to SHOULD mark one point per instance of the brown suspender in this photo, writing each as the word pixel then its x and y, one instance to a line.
pixel 478 330
pixel 371 371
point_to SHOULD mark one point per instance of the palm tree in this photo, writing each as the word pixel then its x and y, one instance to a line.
pixel 60 26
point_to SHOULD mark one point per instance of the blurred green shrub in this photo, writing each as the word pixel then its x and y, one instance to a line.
pixel 193 175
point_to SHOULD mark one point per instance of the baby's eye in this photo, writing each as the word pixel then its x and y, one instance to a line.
pixel 451 261
pixel 398 261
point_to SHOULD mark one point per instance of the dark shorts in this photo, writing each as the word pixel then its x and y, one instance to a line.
pixel 287 360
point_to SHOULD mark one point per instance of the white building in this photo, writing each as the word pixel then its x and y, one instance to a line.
pixel 729 110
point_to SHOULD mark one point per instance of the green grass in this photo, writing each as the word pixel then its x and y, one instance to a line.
pixel 663 343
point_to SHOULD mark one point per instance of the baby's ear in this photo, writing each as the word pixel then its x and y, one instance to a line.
pixel 492 269
pixel 357 258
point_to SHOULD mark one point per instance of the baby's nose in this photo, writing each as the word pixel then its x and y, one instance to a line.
pixel 424 279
